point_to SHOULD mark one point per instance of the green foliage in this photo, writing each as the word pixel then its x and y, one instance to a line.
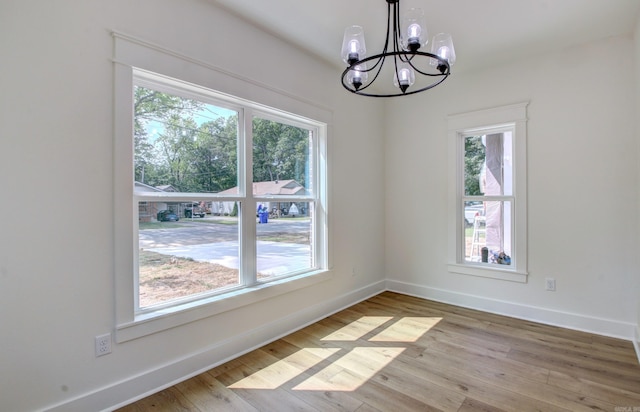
pixel 474 156
pixel 185 155
pixel 196 156
pixel 280 151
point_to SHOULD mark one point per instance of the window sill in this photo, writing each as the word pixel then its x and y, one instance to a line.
pixel 166 318
pixel 492 272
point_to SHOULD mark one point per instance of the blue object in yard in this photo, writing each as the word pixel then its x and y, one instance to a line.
pixel 263 214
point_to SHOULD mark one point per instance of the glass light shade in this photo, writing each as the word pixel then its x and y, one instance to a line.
pixel 358 76
pixel 353 47
pixel 404 77
pixel 442 46
pixel 413 32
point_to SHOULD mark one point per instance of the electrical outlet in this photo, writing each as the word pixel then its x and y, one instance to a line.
pixel 103 344
pixel 550 284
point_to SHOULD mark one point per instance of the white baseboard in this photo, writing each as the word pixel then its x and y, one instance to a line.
pixel 137 387
pixel 600 326
pixel 636 342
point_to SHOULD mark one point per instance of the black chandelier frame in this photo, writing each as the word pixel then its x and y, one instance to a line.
pixel 399 56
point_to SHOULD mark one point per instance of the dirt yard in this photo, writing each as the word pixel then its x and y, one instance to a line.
pixel 164 278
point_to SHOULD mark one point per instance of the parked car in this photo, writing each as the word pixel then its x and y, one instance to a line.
pixel 471 210
pixel 194 211
pixel 167 216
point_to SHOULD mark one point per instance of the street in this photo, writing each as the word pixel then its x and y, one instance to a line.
pixel 205 240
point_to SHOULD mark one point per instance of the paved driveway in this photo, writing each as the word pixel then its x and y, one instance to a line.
pixel 218 243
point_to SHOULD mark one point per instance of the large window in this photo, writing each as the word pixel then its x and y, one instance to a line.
pixel 488 222
pixel 226 198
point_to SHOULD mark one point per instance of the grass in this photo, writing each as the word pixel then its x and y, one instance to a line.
pixel 164 277
pixel 159 225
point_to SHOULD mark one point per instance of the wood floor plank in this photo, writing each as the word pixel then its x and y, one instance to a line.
pixel 168 400
pixel 502 374
pixel 478 388
pixel 261 393
pixel 288 373
pixel 208 394
pixel 485 365
pixel 603 392
pixel 625 379
pixel 473 405
pixel 398 353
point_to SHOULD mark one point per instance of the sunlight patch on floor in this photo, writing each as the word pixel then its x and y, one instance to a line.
pixel 407 329
pixel 352 370
pixel 281 372
pixel 357 329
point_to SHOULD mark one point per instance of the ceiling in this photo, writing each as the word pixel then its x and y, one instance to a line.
pixel 485 32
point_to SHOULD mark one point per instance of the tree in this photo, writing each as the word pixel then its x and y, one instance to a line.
pixel 153 107
pixel 474 156
pixel 174 146
pixel 280 151
pixel 215 157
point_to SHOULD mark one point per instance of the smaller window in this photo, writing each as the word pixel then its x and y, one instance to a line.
pixel 488 192
pixel 488 197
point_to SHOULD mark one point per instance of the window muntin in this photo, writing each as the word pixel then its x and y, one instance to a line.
pixel 188 185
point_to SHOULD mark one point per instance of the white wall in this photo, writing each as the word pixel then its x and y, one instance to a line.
pixel 637 72
pixel 56 168
pixel 582 187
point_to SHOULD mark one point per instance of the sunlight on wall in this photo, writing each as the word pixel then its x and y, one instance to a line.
pixel 349 371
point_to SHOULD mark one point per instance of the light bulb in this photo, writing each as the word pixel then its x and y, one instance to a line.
pixel 353 50
pixel 353 47
pixel 404 77
pixel 442 46
pixel 358 76
pixel 444 52
pixel 414 30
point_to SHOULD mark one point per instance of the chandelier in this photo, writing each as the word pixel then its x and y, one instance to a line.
pixel 410 70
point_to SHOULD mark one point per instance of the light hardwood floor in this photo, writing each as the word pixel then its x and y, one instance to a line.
pixel 399 353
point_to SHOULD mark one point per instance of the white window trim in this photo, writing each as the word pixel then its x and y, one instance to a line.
pixel 130 53
pixel 459 125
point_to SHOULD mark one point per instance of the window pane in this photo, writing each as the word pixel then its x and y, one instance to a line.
pixel 185 248
pixel 487 165
pixel 284 232
pixel 488 235
pixel 184 145
pixel 281 159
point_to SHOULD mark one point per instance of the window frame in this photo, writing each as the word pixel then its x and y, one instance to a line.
pixel 513 118
pixel 140 63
